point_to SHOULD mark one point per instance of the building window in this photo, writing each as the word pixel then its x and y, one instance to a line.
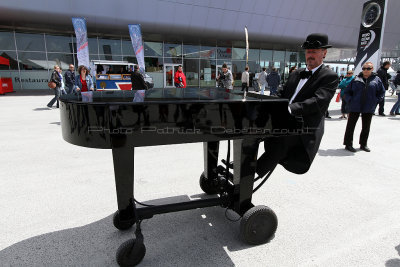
pixel 208 52
pixel 191 51
pixel 172 50
pixel 60 59
pixel 207 73
pixel 12 57
pixel 56 43
pixel 30 42
pixel 153 49
pixel 110 47
pixel 7 41
pixel 32 61
pixel 127 48
pixel 191 70
pixel 224 53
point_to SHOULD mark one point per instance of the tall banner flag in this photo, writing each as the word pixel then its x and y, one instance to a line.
pixel 371 34
pixel 137 43
pixel 247 44
pixel 81 41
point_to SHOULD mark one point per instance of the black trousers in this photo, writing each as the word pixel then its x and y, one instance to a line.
pixel 343 107
pixel 381 105
pixel 351 124
pixel 276 149
pixel 244 86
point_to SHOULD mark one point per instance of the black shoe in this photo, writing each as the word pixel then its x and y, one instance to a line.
pixel 328 117
pixel 350 148
pixel 365 148
pixel 382 114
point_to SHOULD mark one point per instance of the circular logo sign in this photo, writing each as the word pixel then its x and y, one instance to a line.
pixel 371 14
pixel 103 85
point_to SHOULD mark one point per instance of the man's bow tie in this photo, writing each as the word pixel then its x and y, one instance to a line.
pixel 305 74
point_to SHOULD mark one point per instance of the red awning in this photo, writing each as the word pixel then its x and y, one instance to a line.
pixel 4 61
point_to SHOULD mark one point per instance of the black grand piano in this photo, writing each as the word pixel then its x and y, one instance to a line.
pixel 123 120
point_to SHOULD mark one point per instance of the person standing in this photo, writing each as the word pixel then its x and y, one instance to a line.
pixel 384 76
pixel 362 96
pixel 245 79
pixel 62 88
pixel 273 80
pixel 137 79
pixel 70 79
pixel 226 77
pixel 395 109
pixel 83 81
pixel 309 92
pixel 342 86
pixel 262 80
pixel 55 77
pixel 180 78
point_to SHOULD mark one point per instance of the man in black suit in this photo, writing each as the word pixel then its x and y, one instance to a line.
pixel 137 79
pixel 309 93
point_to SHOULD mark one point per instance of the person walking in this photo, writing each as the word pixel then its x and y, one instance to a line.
pixel 70 79
pixel 62 88
pixel 395 109
pixel 262 79
pixel 180 78
pixel 55 77
pixel 226 77
pixel 83 82
pixel 384 76
pixel 362 96
pixel 273 80
pixel 342 86
pixel 309 92
pixel 137 79
pixel 245 79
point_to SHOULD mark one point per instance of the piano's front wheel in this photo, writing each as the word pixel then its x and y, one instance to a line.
pixel 130 253
pixel 207 185
pixel 122 224
pixel 258 225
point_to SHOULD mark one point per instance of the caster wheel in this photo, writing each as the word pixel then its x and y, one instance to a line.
pixel 258 225
pixel 129 255
pixel 207 185
pixel 122 225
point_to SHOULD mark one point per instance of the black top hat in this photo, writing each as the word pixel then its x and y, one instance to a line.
pixel 315 41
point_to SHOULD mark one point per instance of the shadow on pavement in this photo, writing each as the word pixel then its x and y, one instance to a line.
pixel 339 152
pixel 55 123
pixel 394 119
pixel 187 238
pixel 394 262
pixel 41 109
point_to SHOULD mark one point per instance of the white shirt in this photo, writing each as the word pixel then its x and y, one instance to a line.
pixel 245 77
pixel 302 82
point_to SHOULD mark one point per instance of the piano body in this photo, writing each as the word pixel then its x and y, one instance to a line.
pixel 123 120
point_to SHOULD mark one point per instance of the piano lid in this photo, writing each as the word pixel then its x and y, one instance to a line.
pixel 162 95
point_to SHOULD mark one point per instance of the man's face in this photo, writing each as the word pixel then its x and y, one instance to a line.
pixel 367 69
pixel 71 67
pixel 314 57
pixel 179 68
pixel 224 70
pixel 387 66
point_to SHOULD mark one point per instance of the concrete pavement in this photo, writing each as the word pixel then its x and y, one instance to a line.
pixel 57 200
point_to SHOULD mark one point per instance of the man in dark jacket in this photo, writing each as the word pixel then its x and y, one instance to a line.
pixel 273 81
pixel 70 79
pixel 362 96
pixel 137 79
pixel 309 93
pixel 384 76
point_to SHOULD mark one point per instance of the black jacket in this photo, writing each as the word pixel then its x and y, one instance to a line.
pixel 383 75
pixel 311 103
pixel 138 82
pixel 55 77
pixel 69 78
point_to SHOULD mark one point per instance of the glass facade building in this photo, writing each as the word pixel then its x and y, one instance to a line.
pixel 32 57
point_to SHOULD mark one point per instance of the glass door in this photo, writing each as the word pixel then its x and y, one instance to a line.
pixel 169 74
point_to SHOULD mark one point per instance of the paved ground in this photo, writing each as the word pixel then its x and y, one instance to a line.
pixel 57 201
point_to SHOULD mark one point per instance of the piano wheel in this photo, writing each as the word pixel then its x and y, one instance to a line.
pixel 207 185
pixel 122 225
pixel 258 225
pixel 129 255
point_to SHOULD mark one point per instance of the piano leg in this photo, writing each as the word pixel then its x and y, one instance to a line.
pixel 259 223
pixel 244 168
pixel 123 158
pixel 208 181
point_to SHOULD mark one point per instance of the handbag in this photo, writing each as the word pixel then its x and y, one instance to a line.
pixel 51 85
pixel 338 97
